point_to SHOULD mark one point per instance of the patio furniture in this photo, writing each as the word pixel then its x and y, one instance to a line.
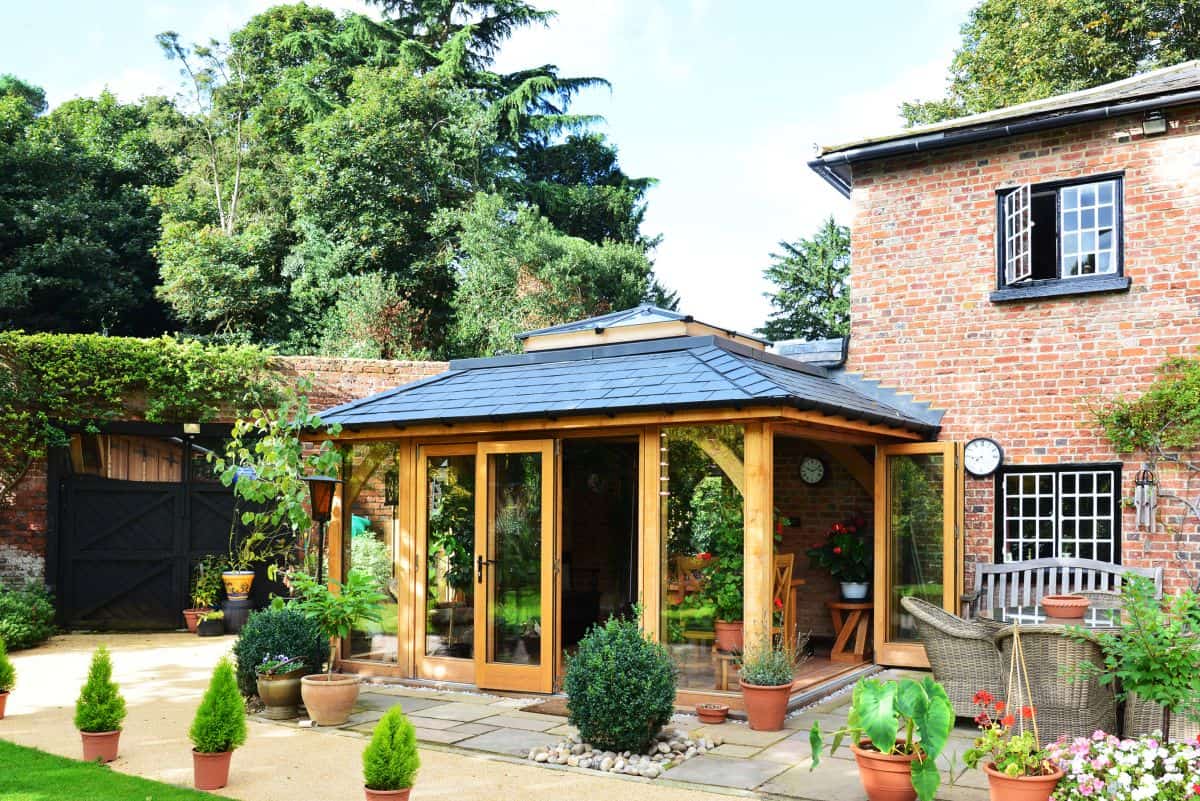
pixel 782 594
pixel 684 579
pixel 1145 717
pixel 962 653
pixel 1068 703
pixel 1026 583
pixel 850 620
pixel 1098 616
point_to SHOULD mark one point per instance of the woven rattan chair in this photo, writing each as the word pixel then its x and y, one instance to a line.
pixel 962 653
pixel 1068 704
pixel 1145 717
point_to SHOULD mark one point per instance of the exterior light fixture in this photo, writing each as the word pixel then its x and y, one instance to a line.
pixel 191 428
pixel 321 490
pixel 1154 124
pixel 1145 499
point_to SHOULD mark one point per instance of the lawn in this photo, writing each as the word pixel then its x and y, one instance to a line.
pixel 27 774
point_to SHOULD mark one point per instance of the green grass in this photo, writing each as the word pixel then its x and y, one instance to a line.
pixel 27 774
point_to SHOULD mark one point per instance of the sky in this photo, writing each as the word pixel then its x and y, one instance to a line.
pixel 721 102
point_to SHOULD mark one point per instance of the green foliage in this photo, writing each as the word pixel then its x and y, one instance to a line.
pixel 620 687
pixel 372 557
pixel 880 711
pixel 1014 51
pixel 718 524
pixel 8 674
pixel 26 616
pixel 1165 418
pixel 390 760
pixel 844 554
pixel 812 276
pixel 220 722
pixel 773 665
pixel 206 582
pixel 451 529
pixel 1014 753
pixel 336 610
pixel 100 706
pixel 269 632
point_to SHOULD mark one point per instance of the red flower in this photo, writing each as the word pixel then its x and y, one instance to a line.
pixel 837 550
pixel 1196 789
pixel 704 556
pixel 1007 720
pixel 779 528
pixel 1000 706
pixel 983 698
pixel 778 604
pixel 1027 712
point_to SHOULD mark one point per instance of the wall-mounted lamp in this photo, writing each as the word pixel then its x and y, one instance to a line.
pixel 191 428
pixel 1145 499
pixel 1154 124
pixel 321 490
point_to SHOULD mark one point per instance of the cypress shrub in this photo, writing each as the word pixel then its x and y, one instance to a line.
pixel 620 687
pixel 8 674
pixel 26 616
pixel 100 706
pixel 220 722
pixel 390 761
pixel 271 632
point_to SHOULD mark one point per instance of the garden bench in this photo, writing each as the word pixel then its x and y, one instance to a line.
pixel 1026 583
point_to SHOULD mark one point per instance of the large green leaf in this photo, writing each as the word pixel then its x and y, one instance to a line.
pixel 815 742
pixel 926 778
pixel 876 706
pixel 937 720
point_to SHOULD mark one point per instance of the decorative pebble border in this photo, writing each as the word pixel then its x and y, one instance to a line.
pixel 670 748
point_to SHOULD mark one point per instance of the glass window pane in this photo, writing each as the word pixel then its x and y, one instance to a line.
pixel 1087 218
pixel 1087 195
pixel 1104 216
pixel 515 501
pixel 1105 263
pixel 1087 264
pixel 450 556
pixel 1106 192
pixel 1071 221
pixel 1070 244
pixel 916 532
pixel 1070 197
pixel 371 550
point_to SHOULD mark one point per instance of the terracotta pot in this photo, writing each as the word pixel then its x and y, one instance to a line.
pixel 3 701
pixel 728 635
pixel 884 777
pixel 237 583
pixel 387 795
pixel 211 771
pixel 1020 788
pixel 191 617
pixel 329 699
pixel 280 694
pixel 100 745
pixel 1069 607
pixel 766 706
pixel 712 713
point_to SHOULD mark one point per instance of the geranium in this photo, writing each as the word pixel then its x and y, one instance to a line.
pixel 845 554
pixel 1011 753
pixel 1104 766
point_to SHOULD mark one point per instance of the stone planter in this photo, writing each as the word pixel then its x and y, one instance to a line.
pixel 280 694
pixel 885 777
pixel 100 746
pixel 329 699
pixel 210 771
pixel 1020 788
pixel 766 706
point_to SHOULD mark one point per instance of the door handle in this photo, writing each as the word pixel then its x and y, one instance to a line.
pixel 479 563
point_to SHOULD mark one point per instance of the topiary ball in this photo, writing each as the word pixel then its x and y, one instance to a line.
pixel 620 687
pixel 277 631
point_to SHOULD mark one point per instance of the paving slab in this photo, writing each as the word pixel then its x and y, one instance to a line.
pixel 469 729
pixel 743 774
pixel 518 722
pixel 833 780
pixel 514 742
pixel 563 731
pixel 446 736
pixel 366 716
pixel 790 751
pixel 464 713
pixel 434 723
pixel 736 751
pixel 408 703
pixel 739 734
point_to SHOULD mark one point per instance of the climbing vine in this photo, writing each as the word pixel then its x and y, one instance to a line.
pixel 52 383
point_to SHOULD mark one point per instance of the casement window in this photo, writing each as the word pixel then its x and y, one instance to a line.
pixel 1058 511
pixel 1060 238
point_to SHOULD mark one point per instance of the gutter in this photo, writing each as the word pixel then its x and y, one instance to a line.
pixel 825 165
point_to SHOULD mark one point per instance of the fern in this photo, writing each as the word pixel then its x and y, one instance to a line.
pixel 390 761
pixel 220 722
pixel 100 706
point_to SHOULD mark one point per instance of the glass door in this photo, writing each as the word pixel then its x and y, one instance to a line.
pixel 514 551
pixel 918 550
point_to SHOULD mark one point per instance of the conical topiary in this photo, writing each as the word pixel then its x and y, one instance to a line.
pixel 390 761
pixel 220 722
pixel 100 706
pixel 8 675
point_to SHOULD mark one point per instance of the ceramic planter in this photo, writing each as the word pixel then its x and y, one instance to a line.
pixel 211 628
pixel 728 635
pixel 712 713
pixel 766 706
pixel 100 746
pixel 210 771
pixel 280 694
pixel 885 777
pixel 1020 788
pixel 1066 607
pixel 237 583
pixel 3 701
pixel 855 590
pixel 191 617
pixel 329 699
pixel 387 795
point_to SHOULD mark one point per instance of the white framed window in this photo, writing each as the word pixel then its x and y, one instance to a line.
pixel 1053 511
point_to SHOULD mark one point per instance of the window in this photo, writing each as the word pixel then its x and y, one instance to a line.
pixel 1069 511
pixel 1060 238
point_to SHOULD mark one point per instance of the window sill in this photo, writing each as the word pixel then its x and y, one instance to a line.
pixel 1061 287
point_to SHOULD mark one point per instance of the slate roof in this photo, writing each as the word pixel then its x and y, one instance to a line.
pixel 675 373
pixel 818 352
pixel 638 315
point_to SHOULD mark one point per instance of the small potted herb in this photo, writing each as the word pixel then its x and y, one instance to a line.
pixel 205 590
pixel 765 676
pixel 100 710
pixel 211 623
pixel 218 728
pixel 390 761
pixel 8 677
pixel 278 679
pixel 1017 767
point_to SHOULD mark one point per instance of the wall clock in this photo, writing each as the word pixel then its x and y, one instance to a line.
pixel 812 470
pixel 982 456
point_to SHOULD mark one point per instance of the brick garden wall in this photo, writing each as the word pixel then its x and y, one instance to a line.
pixel 924 263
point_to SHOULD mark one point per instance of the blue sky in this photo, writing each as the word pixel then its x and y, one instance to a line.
pixel 722 102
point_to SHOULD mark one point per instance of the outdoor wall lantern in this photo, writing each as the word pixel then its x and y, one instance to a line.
pixel 321 490
pixel 1145 499
pixel 1154 123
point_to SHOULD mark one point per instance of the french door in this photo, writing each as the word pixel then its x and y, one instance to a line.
pixel 513 568
pixel 918 541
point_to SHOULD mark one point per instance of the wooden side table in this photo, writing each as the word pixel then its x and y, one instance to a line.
pixel 850 619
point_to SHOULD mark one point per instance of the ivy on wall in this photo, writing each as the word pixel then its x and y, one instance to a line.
pixel 50 383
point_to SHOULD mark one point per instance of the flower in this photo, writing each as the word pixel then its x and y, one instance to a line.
pixel 1027 712
pixel 1007 720
pixel 837 550
pixel 778 604
pixel 779 528
pixel 983 698
pixel 704 556
pixel 1001 706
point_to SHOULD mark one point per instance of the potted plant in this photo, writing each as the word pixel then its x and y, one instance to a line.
pixel 891 767
pixel 335 608
pixel 211 623
pixel 846 557
pixel 765 676
pixel 218 728
pixel 390 761
pixel 8 677
pixel 1017 767
pixel 205 590
pixel 717 521
pixel 712 714
pixel 278 679
pixel 100 710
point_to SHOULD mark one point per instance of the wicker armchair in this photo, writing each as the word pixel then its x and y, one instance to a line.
pixel 962 653
pixel 1145 717
pixel 1067 703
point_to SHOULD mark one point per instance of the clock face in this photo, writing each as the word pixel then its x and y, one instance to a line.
pixel 812 470
pixel 982 456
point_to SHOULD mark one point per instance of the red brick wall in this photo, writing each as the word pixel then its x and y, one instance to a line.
pixel 23 522
pixel 924 263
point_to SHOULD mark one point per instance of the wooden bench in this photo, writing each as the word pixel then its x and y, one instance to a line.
pixel 1026 583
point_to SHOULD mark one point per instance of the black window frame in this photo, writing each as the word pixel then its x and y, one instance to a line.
pixel 999 497
pixel 1115 281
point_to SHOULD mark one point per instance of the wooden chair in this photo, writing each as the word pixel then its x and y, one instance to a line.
pixel 782 592
pixel 683 580
pixel 1026 583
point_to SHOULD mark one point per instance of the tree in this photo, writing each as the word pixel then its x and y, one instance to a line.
pixel 812 300
pixel 1014 51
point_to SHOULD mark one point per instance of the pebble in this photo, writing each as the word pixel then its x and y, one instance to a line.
pixel 541 756
pixel 669 748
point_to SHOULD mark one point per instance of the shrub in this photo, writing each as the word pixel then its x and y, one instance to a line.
pixel 220 722
pixel 26 616
pixel 100 706
pixel 8 674
pixel 371 555
pixel 774 665
pixel 620 687
pixel 336 611
pixel 390 761
pixel 206 582
pixel 276 631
